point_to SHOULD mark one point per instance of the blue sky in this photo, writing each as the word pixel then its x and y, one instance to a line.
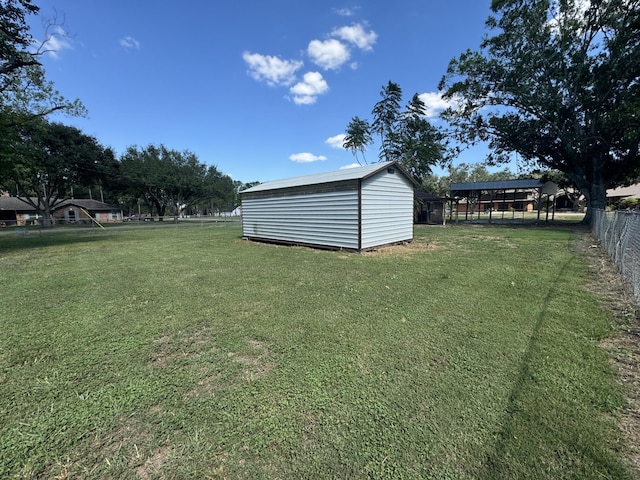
pixel 261 89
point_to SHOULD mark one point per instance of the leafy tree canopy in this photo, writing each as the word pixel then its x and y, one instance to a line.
pixel 25 94
pixel 462 173
pixel 558 82
pixel 358 138
pixel 168 178
pixel 48 159
pixel 15 39
pixel 24 91
pixel 405 135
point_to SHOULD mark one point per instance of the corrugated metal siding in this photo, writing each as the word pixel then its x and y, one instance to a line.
pixel 387 209
pixel 326 218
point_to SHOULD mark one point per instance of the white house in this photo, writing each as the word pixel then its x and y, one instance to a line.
pixel 354 209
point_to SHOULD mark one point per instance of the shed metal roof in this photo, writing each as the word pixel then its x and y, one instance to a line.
pixel 498 185
pixel 356 173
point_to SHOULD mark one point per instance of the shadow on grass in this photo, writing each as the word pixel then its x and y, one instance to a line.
pixel 542 424
pixel 17 239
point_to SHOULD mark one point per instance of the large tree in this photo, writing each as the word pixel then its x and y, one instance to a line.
pixel 166 178
pixel 46 160
pixel 559 83
pixel 186 184
pixel 220 191
pixel 147 174
pixel 386 118
pixel 15 40
pixel 24 90
pixel 358 137
pixel 405 135
pixel 420 144
pixel 25 94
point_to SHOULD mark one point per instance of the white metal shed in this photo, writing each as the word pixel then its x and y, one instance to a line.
pixel 355 209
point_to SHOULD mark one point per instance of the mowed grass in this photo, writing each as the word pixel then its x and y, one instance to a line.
pixel 185 352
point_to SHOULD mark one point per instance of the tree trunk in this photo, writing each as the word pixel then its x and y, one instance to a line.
pixel 47 217
pixel 44 201
pixel 596 199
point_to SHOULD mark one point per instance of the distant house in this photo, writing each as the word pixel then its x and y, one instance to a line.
pixel 615 195
pixel 14 211
pixel 76 210
pixel 354 209
pixel 231 211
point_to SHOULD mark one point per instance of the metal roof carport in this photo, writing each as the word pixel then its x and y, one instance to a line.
pixel 503 192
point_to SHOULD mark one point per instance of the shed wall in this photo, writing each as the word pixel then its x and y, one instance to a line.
pixel 387 209
pixel 324 218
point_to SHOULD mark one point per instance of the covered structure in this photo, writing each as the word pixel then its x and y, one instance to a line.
pixel 354 209
pixel 431 208
pixel 503 196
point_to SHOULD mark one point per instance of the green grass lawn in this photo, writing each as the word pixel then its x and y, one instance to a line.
pixel 163 351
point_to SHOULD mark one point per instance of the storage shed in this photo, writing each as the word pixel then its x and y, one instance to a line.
pixel 354 209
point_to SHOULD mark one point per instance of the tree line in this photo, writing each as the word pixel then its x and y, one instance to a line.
pixel 44 162
pixel 48 162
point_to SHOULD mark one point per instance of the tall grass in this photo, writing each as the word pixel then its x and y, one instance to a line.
pixel 186 352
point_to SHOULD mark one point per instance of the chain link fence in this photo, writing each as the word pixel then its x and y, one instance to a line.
pixel 619 233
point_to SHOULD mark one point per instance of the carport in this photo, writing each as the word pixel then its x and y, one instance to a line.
pixel 502 197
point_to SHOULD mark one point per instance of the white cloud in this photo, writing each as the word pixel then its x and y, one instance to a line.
pixel 345 12
pixel 270 69
pixel 357 35
pixel 351 165
pixel 330 54
pixel 434 103
pixel 307 91
pixel 57 40
pixel 129 42
pixel 306 157
pixel 337 141
pixel 558 15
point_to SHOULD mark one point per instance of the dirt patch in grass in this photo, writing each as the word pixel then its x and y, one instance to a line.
pixel 122 440
pixel 624 345
pixel 151 467
pixel 121 449
pixel 206 386
pixel 416 246
pixel 255 360
pixel 186 345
